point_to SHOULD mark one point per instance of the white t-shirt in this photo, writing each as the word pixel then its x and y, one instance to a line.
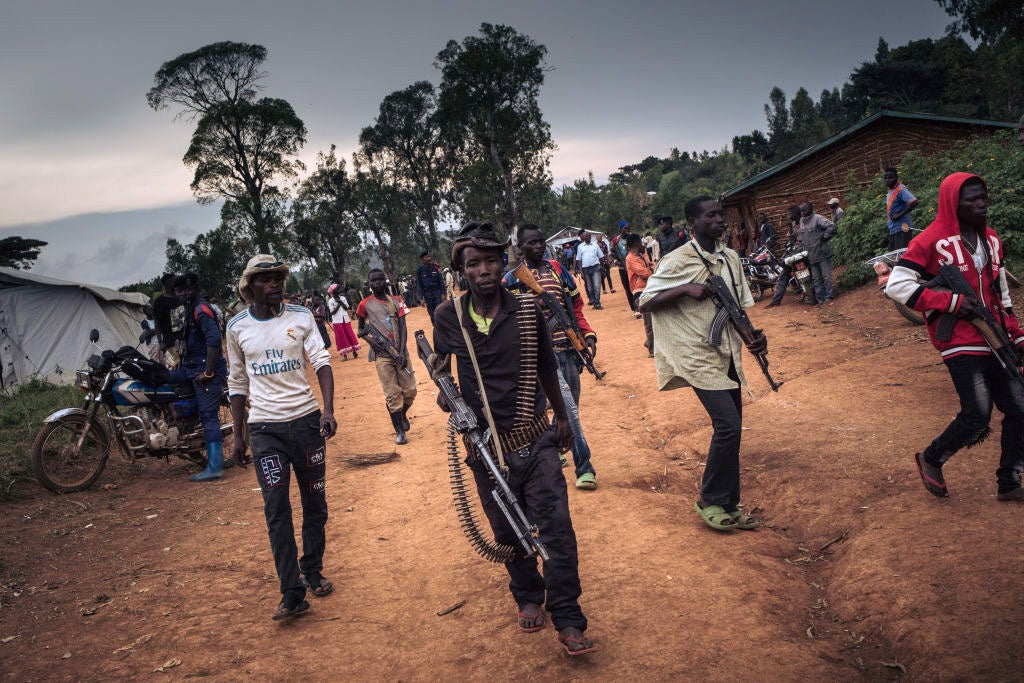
pixel 267 362
pixel 338 308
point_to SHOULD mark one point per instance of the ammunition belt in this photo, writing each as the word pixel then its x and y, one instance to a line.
pixel 519 438
pixel 526 390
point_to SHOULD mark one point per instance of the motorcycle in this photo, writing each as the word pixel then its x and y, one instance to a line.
pixel 763 271
pixel 883 265
pixel 800 280
pixel 127 402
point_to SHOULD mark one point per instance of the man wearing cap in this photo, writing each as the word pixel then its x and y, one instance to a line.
pixel 386 313
pixel 837 213
pixel 203 366
pixel 271 344
pixel 507 338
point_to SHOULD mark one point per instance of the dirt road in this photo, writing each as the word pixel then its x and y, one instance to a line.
pixel 860 574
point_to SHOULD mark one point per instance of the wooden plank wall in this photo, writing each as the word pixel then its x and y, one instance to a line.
pixel 826 174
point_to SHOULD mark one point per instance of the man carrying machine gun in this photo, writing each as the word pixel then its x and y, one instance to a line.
pixel 567 307
pixel 504 352
pixel 954 272
pixel 382 325
pixel 685 307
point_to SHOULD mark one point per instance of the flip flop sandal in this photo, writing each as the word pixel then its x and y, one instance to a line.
pixel 715 517
pixel 283 612
pixel 532 629
pixel 323 588
pixel 745 521
pixel 931 477
pixel 576 640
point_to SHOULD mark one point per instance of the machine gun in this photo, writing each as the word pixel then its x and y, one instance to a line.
pixel 382 345
pixel 560 319
pixel 995 336
pixel 463 421
pixel 730 310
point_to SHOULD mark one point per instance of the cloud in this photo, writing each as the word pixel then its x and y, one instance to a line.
pixel 577 156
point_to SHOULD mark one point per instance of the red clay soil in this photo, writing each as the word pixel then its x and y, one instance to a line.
pixel 859 574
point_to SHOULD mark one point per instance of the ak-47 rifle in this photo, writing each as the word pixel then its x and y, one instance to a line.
pixel 463 420
pixel 381 344
pixel 995 336
pixel 560 319
pixel 730 310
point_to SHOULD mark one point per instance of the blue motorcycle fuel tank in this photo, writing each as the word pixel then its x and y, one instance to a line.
pixel 130 392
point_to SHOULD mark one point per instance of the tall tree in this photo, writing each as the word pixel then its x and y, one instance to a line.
pixel 779 125
pixel 19 252
pixel 488 105
pixel 218 257
pixel 986 20
pixel 407 135
pixel 322 215
pixel 807 127
pixel 380 207
pixel 241 146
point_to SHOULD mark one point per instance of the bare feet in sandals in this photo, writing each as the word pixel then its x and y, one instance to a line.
pixel 531 618
pixel 574 642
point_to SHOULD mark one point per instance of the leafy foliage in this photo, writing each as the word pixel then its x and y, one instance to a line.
pixel 998 159
pixel 19 252
pixel 21 415
pixel 241 145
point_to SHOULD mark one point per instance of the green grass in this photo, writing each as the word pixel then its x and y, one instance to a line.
pixel 21 415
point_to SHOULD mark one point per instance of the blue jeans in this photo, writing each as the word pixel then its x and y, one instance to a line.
pixel 571 372
pixel 592 283
pixel 821 273
pixel 981 383
pixel 208 395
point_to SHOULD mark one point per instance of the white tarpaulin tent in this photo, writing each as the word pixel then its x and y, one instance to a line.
pixel 570 234
pixel 45 323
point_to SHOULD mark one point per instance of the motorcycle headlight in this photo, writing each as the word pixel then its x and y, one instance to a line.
pixel 82 380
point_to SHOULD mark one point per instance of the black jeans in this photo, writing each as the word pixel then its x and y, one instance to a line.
pixel 624 277
pixel 277 448
pixel 721 483
pixel 539 485
pixel 981 383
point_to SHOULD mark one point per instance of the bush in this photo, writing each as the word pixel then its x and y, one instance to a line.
pixel 21 414
pixel 998 158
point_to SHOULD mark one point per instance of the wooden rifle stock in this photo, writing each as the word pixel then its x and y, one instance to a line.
pixel 560 319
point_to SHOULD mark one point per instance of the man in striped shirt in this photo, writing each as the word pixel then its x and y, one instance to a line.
pixel 270 345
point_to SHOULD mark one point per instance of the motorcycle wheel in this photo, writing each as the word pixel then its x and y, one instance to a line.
pixel 909 313
pixel 59 465
pixel 756 291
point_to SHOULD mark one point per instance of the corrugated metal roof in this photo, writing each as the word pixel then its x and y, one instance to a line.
pixel 863 123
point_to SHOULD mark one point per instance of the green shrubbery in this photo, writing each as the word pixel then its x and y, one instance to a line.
pixel 21 414
pixel 999 159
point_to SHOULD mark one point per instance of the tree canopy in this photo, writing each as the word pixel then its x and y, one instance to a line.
pixel 19 252
pixel 242 148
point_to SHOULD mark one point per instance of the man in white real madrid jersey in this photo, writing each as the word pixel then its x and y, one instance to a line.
pixel 270 344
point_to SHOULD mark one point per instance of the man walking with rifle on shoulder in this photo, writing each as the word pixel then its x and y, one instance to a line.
pixel 684 309
pixel 953 272
pixel 382 325
pixel 506 367
pixel 563 309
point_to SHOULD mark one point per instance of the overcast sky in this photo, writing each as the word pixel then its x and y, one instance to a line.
pixel 88 166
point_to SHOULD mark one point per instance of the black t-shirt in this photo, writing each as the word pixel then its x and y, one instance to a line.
pixel 163 307
pixel 673 240
pixel 498 354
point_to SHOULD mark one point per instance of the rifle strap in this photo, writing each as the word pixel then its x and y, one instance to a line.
pixel 480 384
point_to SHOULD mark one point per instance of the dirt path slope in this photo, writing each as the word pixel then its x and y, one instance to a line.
pixel 860 574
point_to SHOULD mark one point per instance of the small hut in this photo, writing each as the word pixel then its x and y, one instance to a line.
pixel 858 153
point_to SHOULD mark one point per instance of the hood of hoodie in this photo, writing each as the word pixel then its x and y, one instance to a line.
pixel 946 221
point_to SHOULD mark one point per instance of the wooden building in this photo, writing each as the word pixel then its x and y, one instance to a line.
pixel 861 152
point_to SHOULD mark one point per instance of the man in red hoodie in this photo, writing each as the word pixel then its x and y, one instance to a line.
pixel 960 236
